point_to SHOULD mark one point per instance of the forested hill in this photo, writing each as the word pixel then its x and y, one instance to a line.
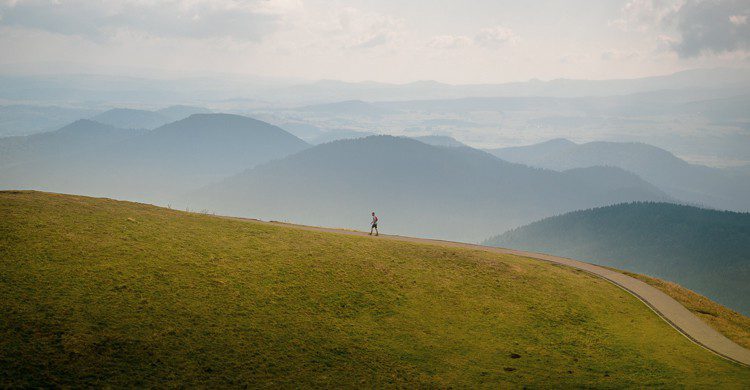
pixel 705 250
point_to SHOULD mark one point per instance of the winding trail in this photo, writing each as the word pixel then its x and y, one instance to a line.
pixel 662 304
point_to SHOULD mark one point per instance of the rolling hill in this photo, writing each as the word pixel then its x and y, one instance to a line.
pixel 100 293
pixel 711 187
pixel 705 250
pixel 212 144
pixel 417 189
pixel 78 137
pixel 162 163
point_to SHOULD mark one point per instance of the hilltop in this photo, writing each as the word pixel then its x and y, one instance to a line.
pixel 130 118
pixel 160 164
pixel 440 140
pixel 100 293
pixel 705 250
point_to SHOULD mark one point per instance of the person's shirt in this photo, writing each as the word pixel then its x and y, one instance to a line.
pixel 374 220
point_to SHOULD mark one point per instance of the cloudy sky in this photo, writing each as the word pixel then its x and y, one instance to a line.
pixel 455 41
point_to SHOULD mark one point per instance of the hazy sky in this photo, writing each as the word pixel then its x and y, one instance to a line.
pixel 389 40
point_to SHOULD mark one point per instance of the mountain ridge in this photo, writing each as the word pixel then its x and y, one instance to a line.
pixel 457 193
pixel 697 184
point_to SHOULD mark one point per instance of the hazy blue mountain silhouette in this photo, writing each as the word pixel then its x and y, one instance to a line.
pixel 338 134
pixel 705 250
pixel 616 183
pixel 440 140
pixel 177 112
pixel 161 163
pixel 531 154
pixel 712 187
pixel 80 136
pixel 129 118
pixel 418 189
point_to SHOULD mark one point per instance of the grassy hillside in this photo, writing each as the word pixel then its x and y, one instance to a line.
pixel 97 292
pixel 705 250
pixel 731 324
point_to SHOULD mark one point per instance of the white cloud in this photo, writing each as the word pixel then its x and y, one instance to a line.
pixel 278 7
pixel 496 36
pixel 690 28
pixel 712 27
pixel 645 15
pixel 347 28
pixel 380 40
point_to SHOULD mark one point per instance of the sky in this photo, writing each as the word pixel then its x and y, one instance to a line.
pixel 459 42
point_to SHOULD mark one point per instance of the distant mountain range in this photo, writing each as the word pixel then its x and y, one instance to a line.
pixel 705 250
pixel 26 119
pixel 712 187
pixel 157 165
pixel 88 87
pixel 332 90
pixel 418 189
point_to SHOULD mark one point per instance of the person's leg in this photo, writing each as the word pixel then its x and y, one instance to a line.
pixel 371 227
pixel 376 231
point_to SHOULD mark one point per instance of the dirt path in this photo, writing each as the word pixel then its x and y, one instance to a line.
pixel 662 304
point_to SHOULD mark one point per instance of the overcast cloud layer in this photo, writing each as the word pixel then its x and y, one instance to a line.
pixel 388 40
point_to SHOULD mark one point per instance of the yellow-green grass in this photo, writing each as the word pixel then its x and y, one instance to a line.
pixel 727 321
pixel 97 292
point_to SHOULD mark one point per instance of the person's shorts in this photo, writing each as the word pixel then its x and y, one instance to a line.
pixel 375 225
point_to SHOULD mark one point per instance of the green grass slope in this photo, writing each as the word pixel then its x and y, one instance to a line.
pixel 96 292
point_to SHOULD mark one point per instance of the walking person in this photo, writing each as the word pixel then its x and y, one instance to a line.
pixel 374 224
